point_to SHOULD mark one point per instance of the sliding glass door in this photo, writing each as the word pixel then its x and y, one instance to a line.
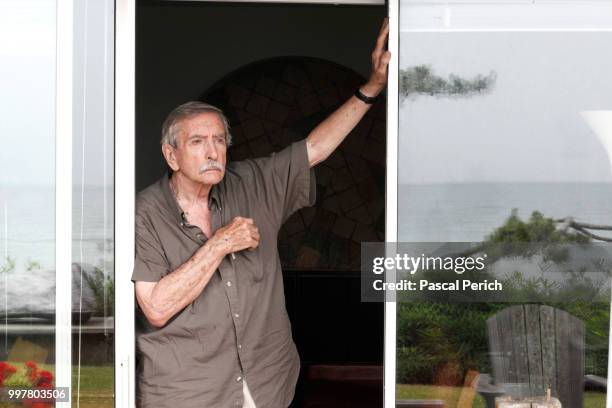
pixel 504 137
pixel 56 201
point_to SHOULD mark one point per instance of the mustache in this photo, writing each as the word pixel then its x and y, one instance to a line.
pixel 211 165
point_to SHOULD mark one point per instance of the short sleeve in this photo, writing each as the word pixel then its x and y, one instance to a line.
pixel 289 182
pixel 150 263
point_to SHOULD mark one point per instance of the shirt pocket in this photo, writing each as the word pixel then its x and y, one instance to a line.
pixel 253 262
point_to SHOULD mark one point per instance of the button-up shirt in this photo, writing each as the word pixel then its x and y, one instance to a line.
pixel 238 326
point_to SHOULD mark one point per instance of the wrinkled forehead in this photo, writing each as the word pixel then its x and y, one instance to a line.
pixel 202 124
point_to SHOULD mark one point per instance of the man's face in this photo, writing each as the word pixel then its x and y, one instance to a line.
pixel 201 149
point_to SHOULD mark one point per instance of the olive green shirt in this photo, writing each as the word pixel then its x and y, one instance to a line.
pixel 238 326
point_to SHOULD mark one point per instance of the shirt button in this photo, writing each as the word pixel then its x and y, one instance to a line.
pixel 236 315
pixel 240 346
pixel 229 283
pixel 238 379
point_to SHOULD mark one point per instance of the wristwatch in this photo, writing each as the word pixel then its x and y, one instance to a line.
pixel 367 99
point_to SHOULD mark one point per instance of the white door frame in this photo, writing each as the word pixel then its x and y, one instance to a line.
pixel 391 229
pixel 63 195
pixel 125 185
pixel 125 199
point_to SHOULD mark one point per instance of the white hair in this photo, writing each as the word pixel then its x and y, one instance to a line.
pixel 189 109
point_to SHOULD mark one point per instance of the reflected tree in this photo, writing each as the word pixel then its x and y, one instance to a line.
pixel 421 79
pixel 451 338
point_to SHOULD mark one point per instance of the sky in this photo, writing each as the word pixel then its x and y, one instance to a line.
pixel 529 127
pixel 27 100
pixel 27 81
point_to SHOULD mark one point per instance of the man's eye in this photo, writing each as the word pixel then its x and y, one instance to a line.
pixel 196 141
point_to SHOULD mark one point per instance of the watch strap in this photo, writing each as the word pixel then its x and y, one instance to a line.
pixel 367 99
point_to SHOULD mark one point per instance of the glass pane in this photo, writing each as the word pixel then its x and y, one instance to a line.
pixel 502 135
pixel 93 204
pixel 27 192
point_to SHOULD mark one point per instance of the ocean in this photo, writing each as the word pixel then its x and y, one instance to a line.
pixel 468 212
pixel 426 213
pixel 27 226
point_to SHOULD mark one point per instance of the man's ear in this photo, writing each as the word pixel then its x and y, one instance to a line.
pixel 169 155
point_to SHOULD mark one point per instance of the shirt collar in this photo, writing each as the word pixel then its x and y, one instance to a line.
pixel 213 198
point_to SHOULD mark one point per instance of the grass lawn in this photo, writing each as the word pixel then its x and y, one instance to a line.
pixel 96 388
pixel 594 399
pixel 450 395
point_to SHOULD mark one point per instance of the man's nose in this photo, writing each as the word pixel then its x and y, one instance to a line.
pixel 211 150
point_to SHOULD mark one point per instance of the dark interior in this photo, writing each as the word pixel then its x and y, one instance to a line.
pixel 277 70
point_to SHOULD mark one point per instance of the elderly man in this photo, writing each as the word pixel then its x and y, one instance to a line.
pixel 208 276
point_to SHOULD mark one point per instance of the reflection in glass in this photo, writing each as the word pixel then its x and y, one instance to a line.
pixel 601 124
pixel 92 207
pixel 493 147
pixel 28 197
pixel 27 193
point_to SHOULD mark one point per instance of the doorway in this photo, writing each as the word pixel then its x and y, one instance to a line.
pixel 277 70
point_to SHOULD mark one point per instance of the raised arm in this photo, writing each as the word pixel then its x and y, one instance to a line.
pixel 326 137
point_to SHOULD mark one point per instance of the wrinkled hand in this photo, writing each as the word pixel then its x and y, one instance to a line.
pixel 380 63
pixel 240 233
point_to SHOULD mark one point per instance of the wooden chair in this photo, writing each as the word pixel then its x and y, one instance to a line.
pixel 468 392
pixel 534 347
pixel 419 404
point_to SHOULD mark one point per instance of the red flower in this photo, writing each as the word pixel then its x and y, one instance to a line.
pixel 45 379
pixel 6 367
pixel 6 370
pixel 32 371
